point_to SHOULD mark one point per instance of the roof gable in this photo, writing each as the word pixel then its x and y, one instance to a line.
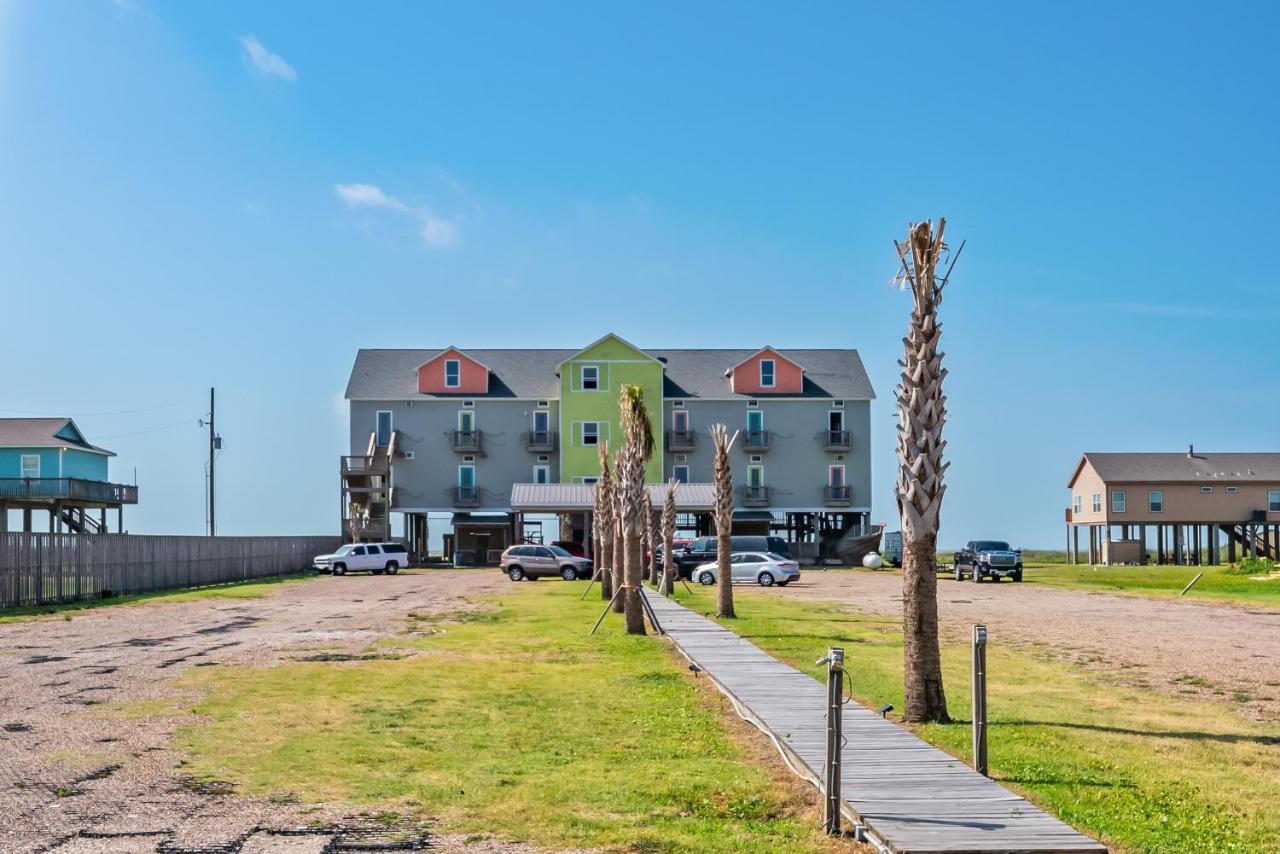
pixel 472 376
pixel 1188 467
pixel 748 375
pixel 45 433
pixel 619 345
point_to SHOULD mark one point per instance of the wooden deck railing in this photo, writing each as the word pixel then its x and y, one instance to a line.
pixel 67 488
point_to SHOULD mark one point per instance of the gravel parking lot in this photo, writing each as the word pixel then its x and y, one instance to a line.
pixel 1180 647
pixel 88 710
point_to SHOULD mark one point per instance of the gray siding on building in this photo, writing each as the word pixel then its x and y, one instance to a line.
pixel 425 428
pixel 795 466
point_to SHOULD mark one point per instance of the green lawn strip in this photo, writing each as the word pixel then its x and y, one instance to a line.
pixel 1216 585
pixel 509 721
pixel 236 590
pixel 1142 770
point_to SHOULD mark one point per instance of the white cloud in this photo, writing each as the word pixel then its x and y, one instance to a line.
pixel 265 61
pixel 437 232
pixel 367 196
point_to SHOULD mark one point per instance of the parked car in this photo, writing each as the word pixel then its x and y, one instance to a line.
pixel 993 559
pixel 363 557
pixel 575 549
pixel 532 562
pixel 763 568
pixel 703 549
pixel 891 548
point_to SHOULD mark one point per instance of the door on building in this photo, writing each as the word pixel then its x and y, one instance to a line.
pixel 755 422
pixel 541 426
pixel 383 428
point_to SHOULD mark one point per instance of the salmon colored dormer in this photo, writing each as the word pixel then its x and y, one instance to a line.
pixel 453 372
pixel 766 372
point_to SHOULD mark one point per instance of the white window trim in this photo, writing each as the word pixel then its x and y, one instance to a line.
pixel 1273 500
pixel 1151 501
pixel 457 379
pixel 582 378
pixel 1206 490
pixel 534 418
pixel 1095 501
pixel 473 476
pixel 684 466
pixel 832 470
pixel 1077 503
pixel 678 415
pixel 22 465
pixel 545 469
pixel 1232 490
pixel 582 433
pixel 759 413
pixel 1124 501
pixel 839 412
pixel 773 373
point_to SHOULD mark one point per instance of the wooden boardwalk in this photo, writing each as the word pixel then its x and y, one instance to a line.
pixel 906 795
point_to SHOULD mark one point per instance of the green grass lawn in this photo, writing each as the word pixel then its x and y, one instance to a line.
pixel 1142 770
pixel 508 720
pixel 240 590
pixel 1217 585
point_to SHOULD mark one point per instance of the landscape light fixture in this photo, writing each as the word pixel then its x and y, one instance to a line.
pixel 885 709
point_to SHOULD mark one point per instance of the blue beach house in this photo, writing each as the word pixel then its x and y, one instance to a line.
pixel 47 465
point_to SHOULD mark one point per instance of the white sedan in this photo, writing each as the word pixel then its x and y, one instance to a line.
pixel 763 568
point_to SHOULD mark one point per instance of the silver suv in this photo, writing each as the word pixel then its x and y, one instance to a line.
pixel 521 562
pixel 377 558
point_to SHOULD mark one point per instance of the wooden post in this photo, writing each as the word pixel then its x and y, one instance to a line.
pixel 1231 545
pixel 26 520
pixel 980 699
pixel 835 741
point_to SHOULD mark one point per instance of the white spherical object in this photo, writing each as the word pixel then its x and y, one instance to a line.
pixel 871 561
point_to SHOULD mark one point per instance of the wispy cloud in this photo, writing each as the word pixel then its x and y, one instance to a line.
pixel 437 232
pixel 124 7
pixel 266 62
pixel 367 196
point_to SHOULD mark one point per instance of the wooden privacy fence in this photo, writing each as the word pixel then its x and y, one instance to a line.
pixel 39 569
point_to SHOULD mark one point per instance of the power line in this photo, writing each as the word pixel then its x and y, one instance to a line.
pixel 182 423
pixel 103 414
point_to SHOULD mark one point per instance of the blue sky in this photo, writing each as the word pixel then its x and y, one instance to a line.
pixel 242 194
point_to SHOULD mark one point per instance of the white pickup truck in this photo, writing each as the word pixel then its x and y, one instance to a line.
pixel 364 557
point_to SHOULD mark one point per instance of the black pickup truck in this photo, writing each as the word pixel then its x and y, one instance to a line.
pixel 992 559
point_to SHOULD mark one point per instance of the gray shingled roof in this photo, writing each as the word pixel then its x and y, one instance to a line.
pixel 40 433
pixel 531 374
pixel 1173 468
pixel 561 497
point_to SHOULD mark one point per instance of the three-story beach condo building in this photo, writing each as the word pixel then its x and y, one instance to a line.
pixel 489 435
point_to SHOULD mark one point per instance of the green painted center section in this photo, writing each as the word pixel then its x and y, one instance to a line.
pixel 590 397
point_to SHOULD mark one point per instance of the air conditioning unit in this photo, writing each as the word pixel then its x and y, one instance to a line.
pixel 408 455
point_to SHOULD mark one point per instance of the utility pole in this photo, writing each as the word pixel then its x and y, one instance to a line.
pixel 215 444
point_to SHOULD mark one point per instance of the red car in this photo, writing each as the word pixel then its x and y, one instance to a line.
pixel 571 547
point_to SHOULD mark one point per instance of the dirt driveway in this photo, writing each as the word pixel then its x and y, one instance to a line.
pixel 1184 648
pixel 78 775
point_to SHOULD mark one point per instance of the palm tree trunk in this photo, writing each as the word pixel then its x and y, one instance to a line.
pixel 723 482
pixel 668 541
pixel 603 557
pixel 922 412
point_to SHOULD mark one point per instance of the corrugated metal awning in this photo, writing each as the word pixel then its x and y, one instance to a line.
pixel 752 516
pixel 476 520
pixel 576 497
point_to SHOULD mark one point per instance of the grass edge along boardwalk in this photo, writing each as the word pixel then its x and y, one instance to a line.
pixel 909 796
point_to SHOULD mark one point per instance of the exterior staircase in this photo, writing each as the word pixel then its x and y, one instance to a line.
pixel 1251 542
pixel 367 494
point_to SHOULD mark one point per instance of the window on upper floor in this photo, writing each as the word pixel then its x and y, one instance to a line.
pixel 1232 490
pixel 680 473
pixel 590 377
pixel 590 432
pixel 1206 490
pixel 680 420
pixel 1117 500
pixel 768 373
pixel 1155 501
pixel 1097 502
pixel 1077 504
pixel 30 465
pixel 1273 501
pixel 452 373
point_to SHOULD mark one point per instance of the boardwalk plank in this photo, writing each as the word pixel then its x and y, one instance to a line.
pixel 912 797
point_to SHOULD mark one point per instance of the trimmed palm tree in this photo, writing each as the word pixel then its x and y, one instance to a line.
pixel 635 453
pixel 922 411
pixel 669 569
pixel 603 527
pixel 617 559
pixel 723 512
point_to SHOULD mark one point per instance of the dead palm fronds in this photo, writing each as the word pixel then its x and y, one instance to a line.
pixel 669 568
pixel 723 512
pixel 922 412
pixel 636 451
pixel 603 527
